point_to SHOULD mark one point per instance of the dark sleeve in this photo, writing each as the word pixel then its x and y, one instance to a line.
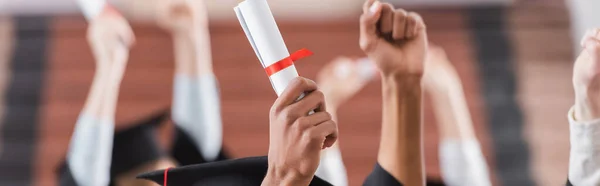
pixel 65 177
pixel 380 177
pixel 569 183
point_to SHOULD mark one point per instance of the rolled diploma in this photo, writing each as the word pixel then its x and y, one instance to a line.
pixel 263 34
pixel 91 8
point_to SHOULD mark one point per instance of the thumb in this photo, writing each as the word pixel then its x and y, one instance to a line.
pixel 368 23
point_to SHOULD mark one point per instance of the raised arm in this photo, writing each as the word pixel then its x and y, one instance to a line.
pixel 340 80
pixel 196 101
pixel 584 117
pixel 297 138
pixel 89 154
pixel 461 159
pixel 396 41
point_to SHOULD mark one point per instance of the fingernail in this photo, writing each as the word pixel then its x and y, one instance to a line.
pixel 374 7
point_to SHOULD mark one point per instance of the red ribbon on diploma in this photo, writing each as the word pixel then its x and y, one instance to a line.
pixel 288 61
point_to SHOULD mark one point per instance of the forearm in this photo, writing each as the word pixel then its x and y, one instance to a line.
pixel 452 113
pixel 400 149
pixel 96 95
pixel 192 52
pixel 196 101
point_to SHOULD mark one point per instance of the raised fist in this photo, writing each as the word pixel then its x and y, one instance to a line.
pixel 393 38
pixel 586 77
pixel 182 15
pixel 109 35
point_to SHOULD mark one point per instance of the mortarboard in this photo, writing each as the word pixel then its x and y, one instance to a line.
pixel 185 152
pixel 238 172
pixel 137 145
pixel 132 147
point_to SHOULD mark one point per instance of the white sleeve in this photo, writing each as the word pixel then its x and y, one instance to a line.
pixel 90 151
pixel 91 8
pixel 197 110
pixel 462 163
pixel 584 160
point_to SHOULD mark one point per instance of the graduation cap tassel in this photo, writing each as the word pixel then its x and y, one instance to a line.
pixel 166 171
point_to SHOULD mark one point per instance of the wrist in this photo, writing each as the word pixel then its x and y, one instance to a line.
pixel 401 83
pixel 276 177
pixel 587 102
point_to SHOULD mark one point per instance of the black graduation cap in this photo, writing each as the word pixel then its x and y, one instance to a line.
pixel 136 146
pixel 185 152
pixel 238 172
pixel 132 148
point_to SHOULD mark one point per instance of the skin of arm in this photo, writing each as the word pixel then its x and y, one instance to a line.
pixel 396 40
pixel 461 159
pixel 584 164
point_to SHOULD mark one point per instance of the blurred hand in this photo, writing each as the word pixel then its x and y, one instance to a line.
pixel 110 35
pixel 340 80
pixel 395 39
pixel 296 138
pixel 586 78
pixel 182 16
pixel 440 76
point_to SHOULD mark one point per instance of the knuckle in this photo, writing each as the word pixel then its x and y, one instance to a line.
pixel 328 116
pixel 319 94
pixel 288 117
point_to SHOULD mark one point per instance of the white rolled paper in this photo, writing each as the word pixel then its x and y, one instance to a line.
pixel 263 34
pixel 91 8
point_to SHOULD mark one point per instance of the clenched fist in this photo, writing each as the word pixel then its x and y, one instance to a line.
pixel 182 16
pixel 394 38
pixel 109 35
pixel 297 138
pixel 586 78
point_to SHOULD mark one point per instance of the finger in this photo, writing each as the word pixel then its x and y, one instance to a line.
pixel 367 5
pixel 312 101
pixel 324 134
pixel 585 37
pixel 386 22
pixel 399 24
pixel 125 33
pixel 419 25
pixel 411 24
pixel 306 122
pixel 297 87
pixel 368 25
pixel 596 33
pixel 592 46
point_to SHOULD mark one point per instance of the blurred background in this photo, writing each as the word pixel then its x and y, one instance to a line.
pixel 514 58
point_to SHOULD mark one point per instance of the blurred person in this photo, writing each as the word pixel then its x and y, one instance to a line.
pixel 398 47
pixel 296 140
pixel 461 160
pixel 196 109
pixel 584 116
pixel 89 155
pixel 340 80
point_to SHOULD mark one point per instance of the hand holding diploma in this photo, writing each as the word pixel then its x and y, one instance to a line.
pixel 295 139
